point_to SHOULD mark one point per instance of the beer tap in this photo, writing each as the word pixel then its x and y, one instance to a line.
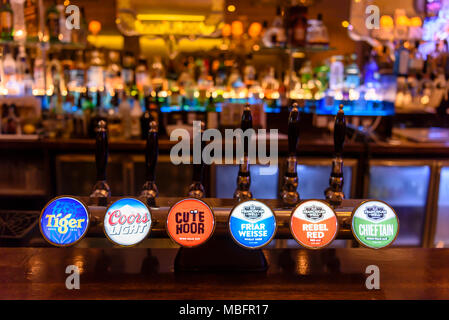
pixel 334 193
pixel 196 189
pixel 101 191
pixel 149 189
pixel 244 177
pixel 289 193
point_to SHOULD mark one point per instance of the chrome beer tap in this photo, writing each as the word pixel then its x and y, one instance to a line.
pixel 196 189
pixel 334 194
pixel 101 191
pixel 244 177
pixel 149 189
pixel 289 192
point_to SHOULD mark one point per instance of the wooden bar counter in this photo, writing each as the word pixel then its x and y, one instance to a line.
pixel 39 273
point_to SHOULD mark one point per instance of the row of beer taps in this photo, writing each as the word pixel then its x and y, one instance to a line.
pixel 288 192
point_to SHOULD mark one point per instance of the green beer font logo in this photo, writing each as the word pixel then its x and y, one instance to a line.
pixel 375 224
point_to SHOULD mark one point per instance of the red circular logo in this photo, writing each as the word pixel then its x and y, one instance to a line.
pixel 190 222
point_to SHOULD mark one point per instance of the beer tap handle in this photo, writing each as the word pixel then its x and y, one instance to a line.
pixel 149 189
pixel 247 123
pixel 334 193
pixel 244 177
pixel 339 132
pixel 293 130
pixel 101 189
pixel 196 189
pixel 152 152
pixel 289 190
pixel 101 152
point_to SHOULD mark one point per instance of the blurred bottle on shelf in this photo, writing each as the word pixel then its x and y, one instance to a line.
pixel 336 76
pixel 19 20
pixel 79 36
pixel 65 35
pixel 352 73
pixel 95 72
pixel 401 62
pixel 317 32
pixel 6 21
pixel 52 23
pixel 31 16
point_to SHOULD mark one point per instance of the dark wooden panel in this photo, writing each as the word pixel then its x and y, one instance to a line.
pixel 293 274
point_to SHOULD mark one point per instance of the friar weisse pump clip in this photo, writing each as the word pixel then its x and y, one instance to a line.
pixel 252 224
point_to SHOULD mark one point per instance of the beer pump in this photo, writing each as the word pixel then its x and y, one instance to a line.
pixel 101 191
pixel 289 192
pixel 149 189
pixel 244 177
pixel 334 193
pixel 196 189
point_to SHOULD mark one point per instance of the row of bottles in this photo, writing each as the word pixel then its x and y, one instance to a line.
pixel 20 21
pixel 293 28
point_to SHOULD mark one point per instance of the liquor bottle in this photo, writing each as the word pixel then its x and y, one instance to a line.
pixel 68 65
pixel 136 114
pixel 113 80
pixel 11 123
pixel 416 61
pixel 352 74
pixel 212 114
pixel 143 81
pixel 401 60
pixel 114 118
pixel 55 77
pixel 336 77
pixel 128 70
pixel 6 21
pixel 65 33
pixel 297 26
pixel 31 14
pixel 52 23
pixel 371 72
pixel 19 20
pixel 306 73
pixel 9 71
pixel 23 70
pixel 280 38
pixel 124 111
pixel 21 63
pixel 317 32
pixel 95 74
pixel 157 71
pixel 39 72
pixel 79 36
pixel 385 63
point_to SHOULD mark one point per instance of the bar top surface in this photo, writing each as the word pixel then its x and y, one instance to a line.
pixel 133 273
